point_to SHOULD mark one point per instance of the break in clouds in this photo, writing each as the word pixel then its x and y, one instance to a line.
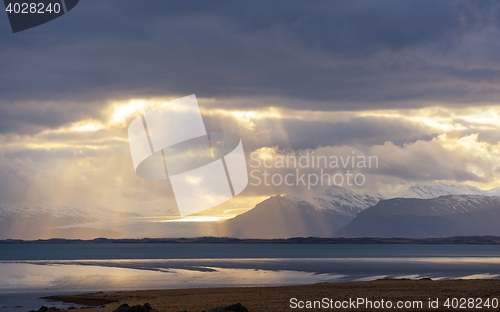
pixel 74 165
pixel 414 84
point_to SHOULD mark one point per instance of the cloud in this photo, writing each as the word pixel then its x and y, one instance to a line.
pixel 444 158
pixel 414 83
pixel 296 134
pixel 89 160
pixel 328 56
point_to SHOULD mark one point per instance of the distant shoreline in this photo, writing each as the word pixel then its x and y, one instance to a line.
pixel 456 240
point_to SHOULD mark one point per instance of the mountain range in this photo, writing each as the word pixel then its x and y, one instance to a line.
pixel 421 210
pixel 31 222
pixel 444 216
pixel 289 216
pixel 333 212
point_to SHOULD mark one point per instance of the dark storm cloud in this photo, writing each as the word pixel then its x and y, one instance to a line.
pixel 295 134
pixel 33 117
pixel 331 55
pixel 361 131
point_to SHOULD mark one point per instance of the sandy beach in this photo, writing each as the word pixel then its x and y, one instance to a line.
pixel 278 298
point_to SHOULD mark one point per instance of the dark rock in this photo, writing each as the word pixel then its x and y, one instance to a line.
pixel 237 307
pixel 45 309
pixel 137 308
pixel 123 308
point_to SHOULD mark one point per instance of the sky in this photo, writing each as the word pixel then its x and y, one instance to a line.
pixel 414 83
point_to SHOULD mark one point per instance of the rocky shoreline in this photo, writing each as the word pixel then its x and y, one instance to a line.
pixel 272 299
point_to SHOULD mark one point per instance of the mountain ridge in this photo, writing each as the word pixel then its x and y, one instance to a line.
pixel 335 206
pixel 450 215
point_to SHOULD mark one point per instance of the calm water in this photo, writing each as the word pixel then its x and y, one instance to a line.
pixel 29 271
pixel 205 251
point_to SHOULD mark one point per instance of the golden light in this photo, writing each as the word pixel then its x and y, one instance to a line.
pixel 245 118
pixel 88 126
pixel 266 153
pixel 197 219
pixel 120 112
pixel 454 129
pixel 439 123
pixel 123 111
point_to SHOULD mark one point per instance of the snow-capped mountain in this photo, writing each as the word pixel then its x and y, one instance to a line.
pixel 433 190
pixel 62 214
pixel 335 207
pixel 493 192
pixel 320 214
pixel 445 216
pixel 37 221
pixel 344 202
pixel 283 217
pixel 88 222
pixel 290 216
pixel 351 203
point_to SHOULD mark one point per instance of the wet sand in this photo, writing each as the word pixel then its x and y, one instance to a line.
pixel 278 298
